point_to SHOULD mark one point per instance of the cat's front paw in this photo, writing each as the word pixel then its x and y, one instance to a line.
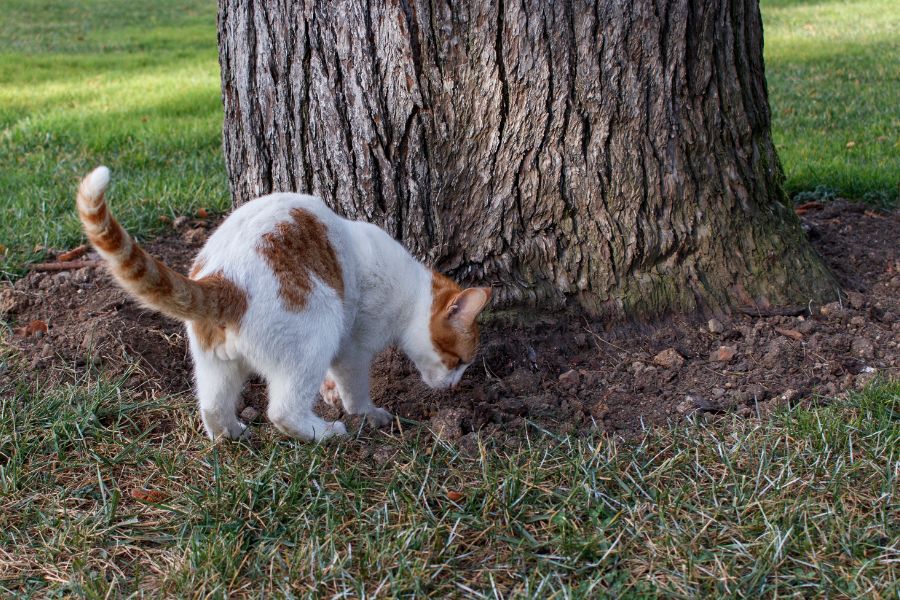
pixel 378 417
pixel 330 393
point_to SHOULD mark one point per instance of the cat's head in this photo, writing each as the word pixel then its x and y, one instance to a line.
pixel 453 330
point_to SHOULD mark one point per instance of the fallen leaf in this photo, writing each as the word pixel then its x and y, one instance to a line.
pixel 723 354
pixel 2 249
pixel 36 327
pixel 791 333
pixel 164 219
pixel 454 496
pixel 802 209
pixel 669 358
pixel 72 254
pixel 152 496
pixel 202 213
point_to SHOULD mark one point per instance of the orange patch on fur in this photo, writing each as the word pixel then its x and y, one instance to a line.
pixel 96 218
pixel 133 266
pixel 230 306
pixel 296 250
pixel 110 239
pixel 453 344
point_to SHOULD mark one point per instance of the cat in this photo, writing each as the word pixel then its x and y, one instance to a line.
pixel 287 289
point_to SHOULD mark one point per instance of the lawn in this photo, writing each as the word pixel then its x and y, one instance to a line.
pixel 833 70
pixel 102 495
pixel 100 499
pixel 134 86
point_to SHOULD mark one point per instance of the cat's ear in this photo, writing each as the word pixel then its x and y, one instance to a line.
pixel 466 306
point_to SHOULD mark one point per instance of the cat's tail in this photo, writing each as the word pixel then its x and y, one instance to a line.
pixel 212 299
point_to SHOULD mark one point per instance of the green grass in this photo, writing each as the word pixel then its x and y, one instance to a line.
pixel 805 503
pixel 134 86
pixel 833 70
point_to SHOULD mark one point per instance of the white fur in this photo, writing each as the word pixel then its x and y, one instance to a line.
pixel 387 300
pixel 97 181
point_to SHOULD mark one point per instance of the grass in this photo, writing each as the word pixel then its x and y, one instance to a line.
pixel 100 500
pixel 833 70
pixel 134 86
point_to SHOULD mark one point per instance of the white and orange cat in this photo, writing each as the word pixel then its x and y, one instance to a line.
pixel 287 289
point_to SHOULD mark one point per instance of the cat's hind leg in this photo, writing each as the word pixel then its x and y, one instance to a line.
pixel 219 385
pixel 291 400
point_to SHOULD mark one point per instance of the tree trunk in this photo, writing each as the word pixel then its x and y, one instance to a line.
pixel 614 154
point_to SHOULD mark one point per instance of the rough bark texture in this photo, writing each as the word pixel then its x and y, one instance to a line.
pixel 615 154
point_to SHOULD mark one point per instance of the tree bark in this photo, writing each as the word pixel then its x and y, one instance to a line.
pixel 612 154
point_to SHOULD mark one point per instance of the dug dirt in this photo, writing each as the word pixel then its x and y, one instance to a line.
pixel 559 372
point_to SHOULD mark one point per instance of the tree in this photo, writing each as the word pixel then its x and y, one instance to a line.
pixel 613 154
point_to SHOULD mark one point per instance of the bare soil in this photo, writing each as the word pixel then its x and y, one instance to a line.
pixel 559 372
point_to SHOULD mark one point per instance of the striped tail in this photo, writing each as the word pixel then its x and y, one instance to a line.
pixel 213 299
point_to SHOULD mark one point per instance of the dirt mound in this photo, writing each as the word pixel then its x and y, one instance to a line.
pixel 561 372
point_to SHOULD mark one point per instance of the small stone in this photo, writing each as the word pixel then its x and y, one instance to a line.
pixel 383 454
pixel 93 339
pixel 82 275
pixel 593 379
pixel 865 377
pixel 249 414
pixel 863 348
pixel 858 320
pixel 447 424
pixel 599 410
pixel 10 301
pixel 194 236
pixel 703 405
pixel 522 381
pixel 468 445
pixel 807 327
pixel 756 393
pixel 62 277
pixel 723 354
pixel 715 326
pixel 570 379
pixel 718 392
pixel 180 222
pixel 788 396
pixel 832 309
pixel 540 404
pixel 856 300
pixel 686 406
pixel 669 359
pixel 775 352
